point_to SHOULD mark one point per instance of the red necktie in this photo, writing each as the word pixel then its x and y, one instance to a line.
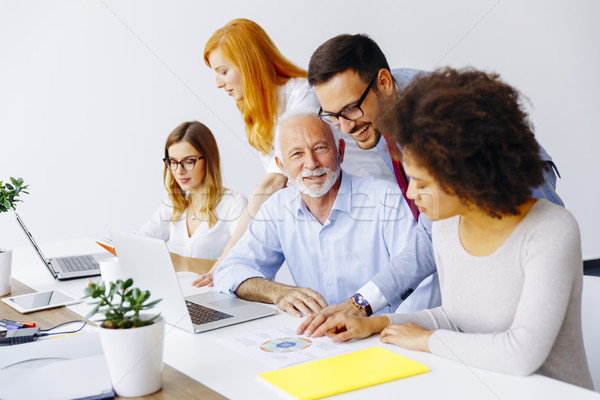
pixel 402 180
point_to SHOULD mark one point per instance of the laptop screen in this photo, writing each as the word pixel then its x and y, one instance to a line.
pixel 30 237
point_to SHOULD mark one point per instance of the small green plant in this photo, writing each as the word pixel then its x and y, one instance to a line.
pixel 120 303
pixel 9 193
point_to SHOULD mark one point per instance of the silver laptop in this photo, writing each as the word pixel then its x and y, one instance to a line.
pixel 63 268
pixel 148 262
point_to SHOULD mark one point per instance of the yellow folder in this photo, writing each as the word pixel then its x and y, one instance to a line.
pixel 322 378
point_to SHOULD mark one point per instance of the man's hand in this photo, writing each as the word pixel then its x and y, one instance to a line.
pixel 313 323
pixel 299 301
pixel 410 336
pixel 341 328
pixel 294 300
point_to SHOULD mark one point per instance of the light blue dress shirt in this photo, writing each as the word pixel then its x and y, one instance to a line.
pixel 368 224
pixel 416 265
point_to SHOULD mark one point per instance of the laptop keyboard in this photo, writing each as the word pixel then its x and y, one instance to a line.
pixel 78 263
pixel 203 315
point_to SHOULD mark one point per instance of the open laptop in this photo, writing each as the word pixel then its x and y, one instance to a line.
pixel 63 268
pixel 148 262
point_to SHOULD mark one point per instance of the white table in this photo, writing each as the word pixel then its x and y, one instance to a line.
pixel 234 375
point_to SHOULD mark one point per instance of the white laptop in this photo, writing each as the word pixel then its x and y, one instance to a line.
pixel 148 262
pixel 63 268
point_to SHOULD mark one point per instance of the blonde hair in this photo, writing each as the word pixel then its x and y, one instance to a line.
pixel 248 47
pixel 202 139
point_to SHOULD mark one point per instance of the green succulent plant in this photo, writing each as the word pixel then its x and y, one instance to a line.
pixel 120 303
pixel 9 193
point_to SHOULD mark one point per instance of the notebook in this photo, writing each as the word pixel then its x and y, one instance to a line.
pixel 148 262
pixel 63 268
pixel 340 374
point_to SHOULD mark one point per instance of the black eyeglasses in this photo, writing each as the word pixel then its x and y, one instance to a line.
pixel 187 164
pixel 351 113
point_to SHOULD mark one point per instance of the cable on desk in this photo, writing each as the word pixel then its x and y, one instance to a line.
pixel 59 325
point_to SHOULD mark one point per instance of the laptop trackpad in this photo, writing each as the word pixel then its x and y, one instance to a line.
pixel 227 303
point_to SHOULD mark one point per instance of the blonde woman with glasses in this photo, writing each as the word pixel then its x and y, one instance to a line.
pixel 200 216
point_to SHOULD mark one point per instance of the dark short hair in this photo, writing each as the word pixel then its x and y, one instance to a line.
pixel 470 131
pixel 357 52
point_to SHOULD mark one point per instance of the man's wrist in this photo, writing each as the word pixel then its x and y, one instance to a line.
pixel 362 304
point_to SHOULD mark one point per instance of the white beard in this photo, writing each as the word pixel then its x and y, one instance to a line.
pixel 318 190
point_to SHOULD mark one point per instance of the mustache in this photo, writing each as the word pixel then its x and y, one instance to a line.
pixel 315 172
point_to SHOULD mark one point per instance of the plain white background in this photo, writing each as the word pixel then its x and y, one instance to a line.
pixel 90 89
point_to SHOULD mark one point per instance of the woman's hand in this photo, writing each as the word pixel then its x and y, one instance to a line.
pixel 204 280
pixel 341 328
pixel 207 278
pixel 410 336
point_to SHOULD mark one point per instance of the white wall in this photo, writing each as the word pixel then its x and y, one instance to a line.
pixel 89 90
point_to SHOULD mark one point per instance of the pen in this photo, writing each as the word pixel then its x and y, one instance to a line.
pixel 10 326
pixel 16 323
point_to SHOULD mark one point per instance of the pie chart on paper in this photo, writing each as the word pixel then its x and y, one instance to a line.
pixel 285 345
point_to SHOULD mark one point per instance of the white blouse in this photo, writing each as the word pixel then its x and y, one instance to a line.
pixel 296 93
pixel 205 242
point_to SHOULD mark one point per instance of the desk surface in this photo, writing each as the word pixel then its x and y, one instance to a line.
pixel 234 375
pixel 176 385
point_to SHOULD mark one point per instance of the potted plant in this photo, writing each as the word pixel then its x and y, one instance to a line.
pixel 9 194
pixel 131 340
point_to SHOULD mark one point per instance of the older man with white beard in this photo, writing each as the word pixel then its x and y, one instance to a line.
pixel 334 230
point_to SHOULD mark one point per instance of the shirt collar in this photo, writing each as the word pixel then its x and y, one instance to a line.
pixel 401 80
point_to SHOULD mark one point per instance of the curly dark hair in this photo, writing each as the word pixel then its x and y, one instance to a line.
pixel 470 131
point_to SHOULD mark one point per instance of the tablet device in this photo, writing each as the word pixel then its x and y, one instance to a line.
pixel 31 302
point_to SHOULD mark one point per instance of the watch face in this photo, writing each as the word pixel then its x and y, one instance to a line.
pixel 359 300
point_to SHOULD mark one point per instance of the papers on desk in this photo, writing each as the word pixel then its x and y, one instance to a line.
pixel 280 346
pixel 340 374
pixel 69 367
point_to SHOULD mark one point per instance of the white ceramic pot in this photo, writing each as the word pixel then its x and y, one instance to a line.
pixel 135 358
pixel 5 271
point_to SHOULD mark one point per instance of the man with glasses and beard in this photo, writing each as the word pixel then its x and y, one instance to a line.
pixel 335 231
pixel 357 91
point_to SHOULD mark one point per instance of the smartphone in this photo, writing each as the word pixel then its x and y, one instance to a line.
pixel 31 302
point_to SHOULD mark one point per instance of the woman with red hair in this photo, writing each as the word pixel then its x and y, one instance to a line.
pixel 264 85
